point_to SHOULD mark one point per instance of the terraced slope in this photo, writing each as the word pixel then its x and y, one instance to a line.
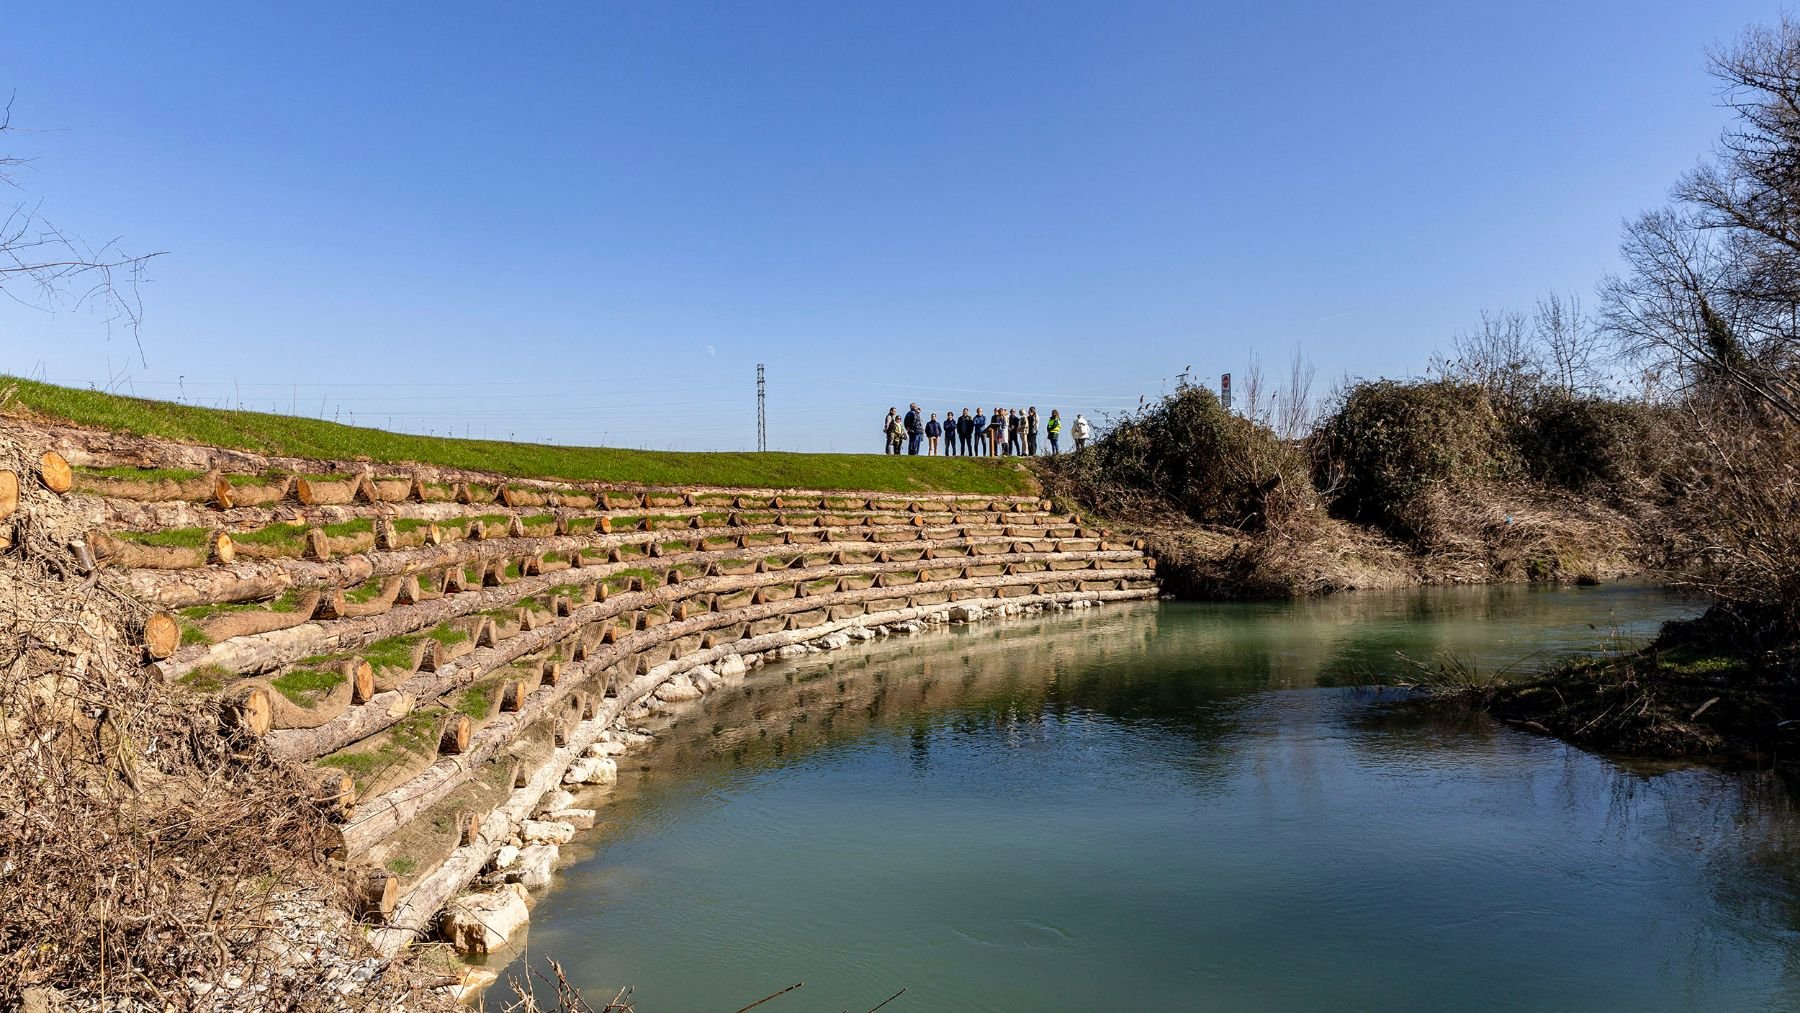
pixel 447 648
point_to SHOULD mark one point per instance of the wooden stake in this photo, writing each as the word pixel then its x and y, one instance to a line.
pixel 377 893
pixel 362 680
pixel 455 737
pixel 512 695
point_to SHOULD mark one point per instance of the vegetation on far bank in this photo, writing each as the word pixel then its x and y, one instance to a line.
pixel 293 436
pixel 1523 454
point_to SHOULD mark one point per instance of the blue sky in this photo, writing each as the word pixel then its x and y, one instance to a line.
pixel 588 222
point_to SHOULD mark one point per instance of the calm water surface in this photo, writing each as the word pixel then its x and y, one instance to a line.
pixel 1178 807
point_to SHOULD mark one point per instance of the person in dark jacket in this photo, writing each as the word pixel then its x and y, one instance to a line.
pixel 932 432
pixel 980 432
pixel 949 432
pixel 1031 427
pixel 965 432
pixel 915 428
pixel 1015 432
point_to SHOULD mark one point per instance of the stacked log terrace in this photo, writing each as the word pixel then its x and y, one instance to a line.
pixel 446 648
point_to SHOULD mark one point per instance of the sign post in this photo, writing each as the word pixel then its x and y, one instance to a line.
pixel 1225 391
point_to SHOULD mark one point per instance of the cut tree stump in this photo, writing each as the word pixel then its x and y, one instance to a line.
pixel 9 494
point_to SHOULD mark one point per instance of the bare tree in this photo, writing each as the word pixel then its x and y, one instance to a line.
pixel 1497 355
pixel 1570 347
pixel 46 268
pixel 1712 287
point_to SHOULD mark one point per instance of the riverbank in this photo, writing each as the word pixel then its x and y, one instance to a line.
pixel 1494 535
pixel 383 671
pixel 1698 692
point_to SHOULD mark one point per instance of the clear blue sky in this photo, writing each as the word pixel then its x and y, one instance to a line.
pixel 588 222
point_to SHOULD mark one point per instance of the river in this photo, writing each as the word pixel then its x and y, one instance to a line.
pixel 1178 807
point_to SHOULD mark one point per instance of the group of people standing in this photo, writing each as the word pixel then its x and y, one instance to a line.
pixel 974 434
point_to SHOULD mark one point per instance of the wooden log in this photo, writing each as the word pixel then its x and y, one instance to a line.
pixel 54 472
pixel 162 636
pixel 327 492
pixel 9 493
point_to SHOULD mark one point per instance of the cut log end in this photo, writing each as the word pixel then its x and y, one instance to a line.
pixel 336 794
pixel 455 737
pixel 54 472
pixel 377 893
pixel 250 711
pixel 362 681
pixel 162 636
pixel 512 696
pixel 9 494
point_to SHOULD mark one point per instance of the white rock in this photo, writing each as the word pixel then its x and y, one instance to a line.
pixel 731 668
pixel 472 982
pixel 555 799
pixel 605 748
pixel 580 819
pixel 859 633
pixel 834 641
pixel 506 856
pixel 678 690
pixel 481 922
pixel 965 613
pixel 790 651
pixel 536 864
pixel 706 679
pixel 546 832
pixel 592 770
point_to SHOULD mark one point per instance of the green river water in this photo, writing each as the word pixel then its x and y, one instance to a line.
pixel 1177 807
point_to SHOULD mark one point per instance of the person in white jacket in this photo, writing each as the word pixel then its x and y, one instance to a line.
pixel 1081 430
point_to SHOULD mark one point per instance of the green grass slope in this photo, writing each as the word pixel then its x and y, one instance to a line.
pixel 289 436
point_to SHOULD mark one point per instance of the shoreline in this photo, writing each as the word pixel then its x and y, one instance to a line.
pixel 481 923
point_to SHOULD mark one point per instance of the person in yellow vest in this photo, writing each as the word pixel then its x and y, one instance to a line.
pixel 1054 428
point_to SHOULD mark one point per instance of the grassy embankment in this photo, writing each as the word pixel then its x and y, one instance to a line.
pixel 290 436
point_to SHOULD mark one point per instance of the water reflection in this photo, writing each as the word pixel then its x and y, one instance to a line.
pixel 1179 807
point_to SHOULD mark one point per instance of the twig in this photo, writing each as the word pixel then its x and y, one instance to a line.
pixel 775 995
